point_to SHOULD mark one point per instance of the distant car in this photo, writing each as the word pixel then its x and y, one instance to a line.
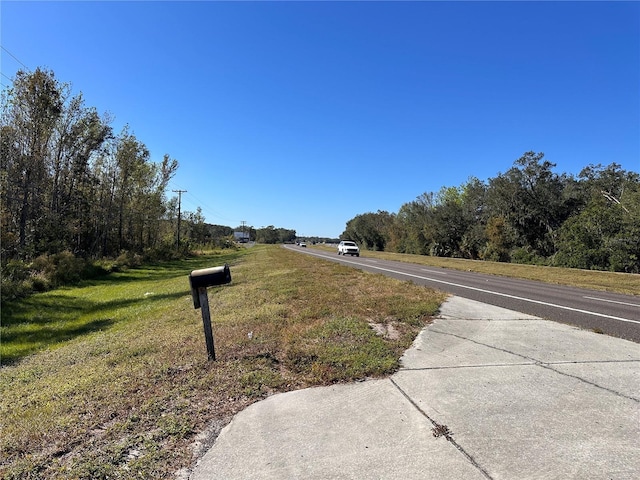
pixel 348 248
pixel 302 244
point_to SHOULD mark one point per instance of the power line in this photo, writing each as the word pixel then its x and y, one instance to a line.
pixel 205 208
pixel 7 77
pixel 14 57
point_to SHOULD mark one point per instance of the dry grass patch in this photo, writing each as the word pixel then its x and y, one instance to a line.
pixel 132 398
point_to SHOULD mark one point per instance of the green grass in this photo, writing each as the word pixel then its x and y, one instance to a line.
pixel 625 283
pixel 111 379
pixel 49 319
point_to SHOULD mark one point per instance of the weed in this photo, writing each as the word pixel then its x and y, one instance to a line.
pixel 441 431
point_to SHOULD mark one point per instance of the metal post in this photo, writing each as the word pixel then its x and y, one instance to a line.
pixel 206 321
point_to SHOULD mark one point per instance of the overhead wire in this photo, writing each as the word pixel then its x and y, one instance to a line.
pixel 197 202
pixel 7 77
pixel 16 59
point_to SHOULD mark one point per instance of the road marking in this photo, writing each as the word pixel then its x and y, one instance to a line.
pixel 539 302
pixel 613 301
pixel 433 271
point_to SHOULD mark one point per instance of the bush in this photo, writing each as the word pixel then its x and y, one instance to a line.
pixel 67 268
pixel 525 256
pixel 15 271
pixel 40 282
pixel 58 269
pixel 493 253
pixel 128 259
pixel 166 251
pixel 14 280
pixel 623 261
pixel 20 279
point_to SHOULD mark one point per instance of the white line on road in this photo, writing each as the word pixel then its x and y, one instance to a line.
pixel 433 271
pixel 613 301
pixel 539 302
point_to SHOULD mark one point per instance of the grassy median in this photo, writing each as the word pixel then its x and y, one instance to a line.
pixel 111 379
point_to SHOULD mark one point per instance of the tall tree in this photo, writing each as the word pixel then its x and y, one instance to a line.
pixel 412 232
pixel 371 230
pixel 31 111
pixel 133 170
pixel 475 217
pixel 79 137
pixel 66 182
pixel 530 197
pixel 604 232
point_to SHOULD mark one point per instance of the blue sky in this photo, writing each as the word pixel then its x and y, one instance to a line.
pixel 303 115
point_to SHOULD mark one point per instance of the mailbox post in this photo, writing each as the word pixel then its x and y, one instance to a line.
pixel 199 281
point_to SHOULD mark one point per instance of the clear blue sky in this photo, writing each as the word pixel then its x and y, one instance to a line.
pixel 303 115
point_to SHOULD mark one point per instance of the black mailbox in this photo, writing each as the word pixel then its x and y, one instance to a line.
pixel 208 277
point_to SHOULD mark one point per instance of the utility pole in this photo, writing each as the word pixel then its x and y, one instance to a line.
pixel 243 237
pixel 179 192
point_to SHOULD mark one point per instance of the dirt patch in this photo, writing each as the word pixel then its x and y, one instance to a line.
pixel 386 330
pixel 202 443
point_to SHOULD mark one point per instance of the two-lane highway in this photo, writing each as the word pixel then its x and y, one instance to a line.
pixel 613 314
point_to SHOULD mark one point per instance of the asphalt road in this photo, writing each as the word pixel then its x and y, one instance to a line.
pixel 608 313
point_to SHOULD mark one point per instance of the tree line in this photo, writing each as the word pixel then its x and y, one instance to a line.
pixel 73 190
pixel 68 182
pixel 529 214
pixel 78 199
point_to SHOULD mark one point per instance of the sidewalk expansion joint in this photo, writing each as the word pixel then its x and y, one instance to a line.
pixel 548 365
pixel 486 345
pixel 588 382
pixel 479 365
pixel 440 430
pixel 585 362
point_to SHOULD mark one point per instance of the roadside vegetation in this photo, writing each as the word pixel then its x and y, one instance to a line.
pixel 528 215
pixel 110 378
pixel 103 365
pixel 78 200
pixel 625 283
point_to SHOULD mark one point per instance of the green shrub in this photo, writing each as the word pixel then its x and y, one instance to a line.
pixel 14 280
pixel 68 268
pixel 15 271
pixel 40 282
pixel 166 251
pixel 525 256
pixel 11 289
pixel 128 259
pixel 493 253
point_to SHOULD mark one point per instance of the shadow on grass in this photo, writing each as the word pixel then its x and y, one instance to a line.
pixel 40 322
pixel 21 344
pixel 58 309
pixel 164 270
pixel 46 320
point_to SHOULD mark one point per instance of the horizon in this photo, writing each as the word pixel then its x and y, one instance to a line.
pixel 303 115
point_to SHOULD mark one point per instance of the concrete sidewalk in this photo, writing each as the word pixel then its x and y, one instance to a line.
pixel 483 393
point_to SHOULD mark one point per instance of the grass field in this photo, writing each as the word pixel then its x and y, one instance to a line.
pixel 111 379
